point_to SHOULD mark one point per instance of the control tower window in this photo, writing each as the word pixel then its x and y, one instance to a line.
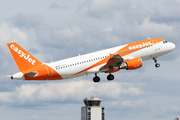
pixel 89 110
pixel 93 103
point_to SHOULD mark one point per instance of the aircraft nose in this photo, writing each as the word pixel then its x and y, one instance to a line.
pixel 172 46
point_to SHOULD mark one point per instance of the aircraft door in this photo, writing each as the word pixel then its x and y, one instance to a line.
pixel 49 71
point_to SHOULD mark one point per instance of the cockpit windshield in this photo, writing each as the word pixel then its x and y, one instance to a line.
pixel 164 41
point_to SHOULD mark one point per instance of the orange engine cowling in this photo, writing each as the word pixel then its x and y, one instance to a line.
pixel 132 64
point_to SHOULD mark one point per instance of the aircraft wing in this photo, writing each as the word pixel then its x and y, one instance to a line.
pixel 115 61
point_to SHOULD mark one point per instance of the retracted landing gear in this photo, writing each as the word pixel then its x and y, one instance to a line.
pixel 96 78
pixel 157 65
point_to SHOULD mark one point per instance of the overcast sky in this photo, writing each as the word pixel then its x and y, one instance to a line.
pixel 57 29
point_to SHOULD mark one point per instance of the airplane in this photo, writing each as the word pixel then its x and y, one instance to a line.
pixel 128 57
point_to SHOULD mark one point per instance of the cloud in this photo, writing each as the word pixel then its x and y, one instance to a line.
pixel 5 97
pixel 9 34
pixel 166 12
pixel 27 20
pixel 118 11
pixel 71 90
pixel 102 8
pixel 54 5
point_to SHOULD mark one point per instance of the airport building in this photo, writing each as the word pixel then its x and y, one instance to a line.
pixel 92 109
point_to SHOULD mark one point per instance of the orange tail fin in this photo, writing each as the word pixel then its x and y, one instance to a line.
pixel 24 59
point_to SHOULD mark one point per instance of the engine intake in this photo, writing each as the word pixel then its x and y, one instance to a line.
pixel 132 64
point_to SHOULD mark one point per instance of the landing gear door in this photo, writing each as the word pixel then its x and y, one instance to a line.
pixel 156 45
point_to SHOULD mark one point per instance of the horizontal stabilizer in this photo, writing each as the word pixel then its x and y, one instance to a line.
pixel 21 76
pixel 31 74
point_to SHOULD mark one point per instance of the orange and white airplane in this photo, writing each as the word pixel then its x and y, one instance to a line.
pixel 129 57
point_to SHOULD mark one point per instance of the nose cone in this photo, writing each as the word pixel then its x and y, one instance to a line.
pixel 172 46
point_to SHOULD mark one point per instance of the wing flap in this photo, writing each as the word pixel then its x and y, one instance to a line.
pixel 115 61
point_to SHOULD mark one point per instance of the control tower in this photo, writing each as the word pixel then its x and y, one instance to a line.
pixel 92 109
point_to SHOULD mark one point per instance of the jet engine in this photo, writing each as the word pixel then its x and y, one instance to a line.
pixel 132 64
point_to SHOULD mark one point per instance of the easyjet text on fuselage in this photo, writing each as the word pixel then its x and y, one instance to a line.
pixel 140 45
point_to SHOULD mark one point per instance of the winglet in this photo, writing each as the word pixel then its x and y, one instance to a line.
pixel 24 59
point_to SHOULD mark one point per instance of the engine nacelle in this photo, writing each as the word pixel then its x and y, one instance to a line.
pixel 132 64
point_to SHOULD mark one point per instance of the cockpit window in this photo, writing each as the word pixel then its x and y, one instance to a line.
pixel 164 41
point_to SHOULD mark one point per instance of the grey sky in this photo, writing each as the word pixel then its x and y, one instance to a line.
pixel 57 29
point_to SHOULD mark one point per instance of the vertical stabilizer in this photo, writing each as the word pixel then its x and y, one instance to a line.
pixel 24 59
